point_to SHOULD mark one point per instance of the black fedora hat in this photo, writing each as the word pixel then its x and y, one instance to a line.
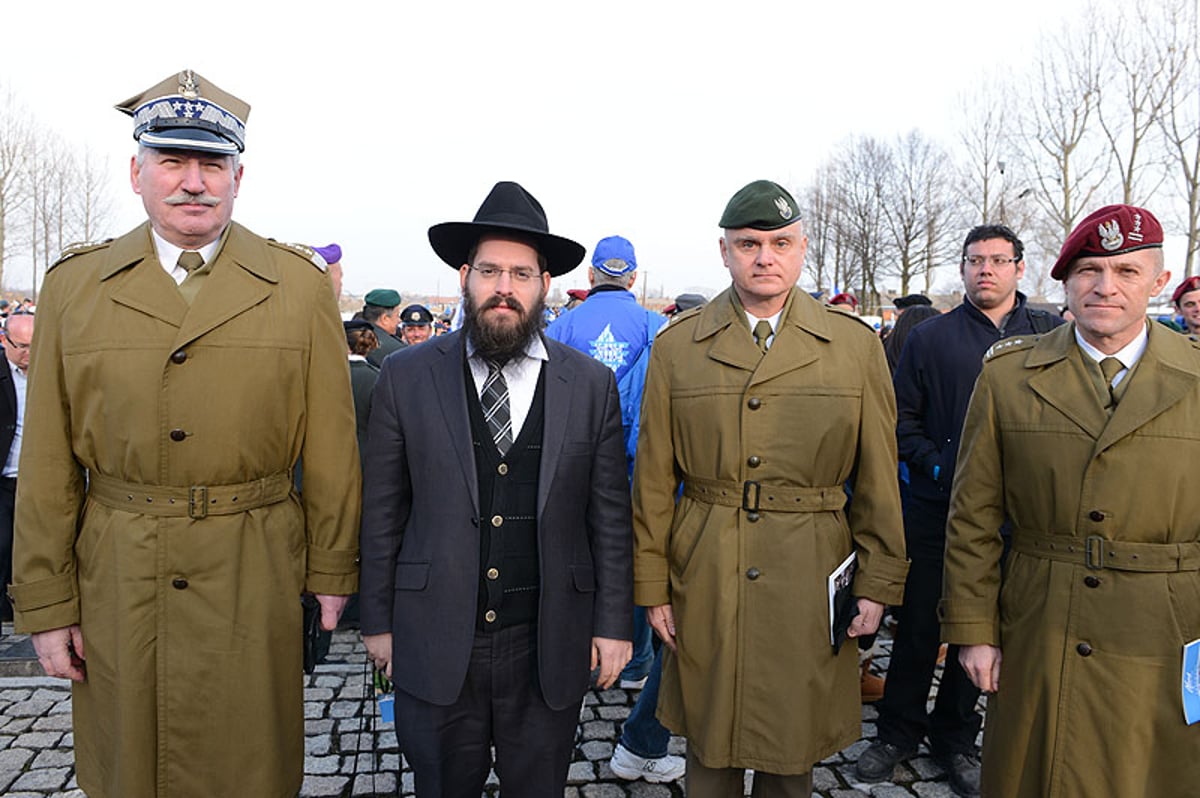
pixel 508 209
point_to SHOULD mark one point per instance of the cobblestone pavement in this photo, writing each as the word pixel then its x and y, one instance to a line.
pixel 349 753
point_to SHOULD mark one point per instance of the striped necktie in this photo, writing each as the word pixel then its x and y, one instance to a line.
pixel 494 399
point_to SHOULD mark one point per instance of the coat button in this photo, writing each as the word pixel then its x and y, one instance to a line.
pixel 502 469
pixel 752 516
pixel 754 403
pixel 497 520
pixel 1091 581
pixel 178 434
pixel 493 573
pixel 753 574
pixel 490 616
pixel 178 356
pixel 179 583
pixel 1096 515
pixel 754 461
pixel 1084 650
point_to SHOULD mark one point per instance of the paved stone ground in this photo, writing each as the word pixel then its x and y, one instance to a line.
pixel 349 753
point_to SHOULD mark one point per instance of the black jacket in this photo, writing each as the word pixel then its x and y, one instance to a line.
pixel 934 379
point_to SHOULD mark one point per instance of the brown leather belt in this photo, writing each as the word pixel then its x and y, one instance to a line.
pixel 196 501
pixel 755 497
pixel 1098 553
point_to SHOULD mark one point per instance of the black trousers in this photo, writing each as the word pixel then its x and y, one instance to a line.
pixel 501 704
pixel 8 500
pixel 903 719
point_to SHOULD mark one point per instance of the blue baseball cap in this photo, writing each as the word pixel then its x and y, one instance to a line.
pixel 614 248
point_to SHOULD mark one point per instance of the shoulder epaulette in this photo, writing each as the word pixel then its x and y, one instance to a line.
pixel 79 248
pixel 1017 343
pixel 841 310
pixel 678 317
pixel 304 251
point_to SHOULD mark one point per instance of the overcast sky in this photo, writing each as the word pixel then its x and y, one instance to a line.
pixel 372 121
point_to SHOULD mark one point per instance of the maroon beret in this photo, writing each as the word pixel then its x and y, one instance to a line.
pixel 845 299
pixel 1112 230
pixel 577 293
pixel 1190 284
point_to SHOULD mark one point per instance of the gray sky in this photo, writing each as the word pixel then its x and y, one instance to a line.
pixel 372 121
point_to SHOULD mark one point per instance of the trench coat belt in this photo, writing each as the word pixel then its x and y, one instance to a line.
pixel 754 496
pixel 1098 553
pixel 196 501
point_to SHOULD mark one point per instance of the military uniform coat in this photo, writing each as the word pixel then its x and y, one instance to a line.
pixel 191 626
pixel 755 683
pixel 1089 698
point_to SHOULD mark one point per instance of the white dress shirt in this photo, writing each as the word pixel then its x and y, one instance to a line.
pixel 168 255
pixel 1129 355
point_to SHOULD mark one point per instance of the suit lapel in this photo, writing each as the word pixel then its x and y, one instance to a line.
pixel 243 275
pixel 8 389
pixel 140 281
pixel 1160 380
pixel 559 383
pixel 449 381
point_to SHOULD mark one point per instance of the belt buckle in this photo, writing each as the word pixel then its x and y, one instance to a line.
pixel 746 495
pixel 197 501
pixel 1094 553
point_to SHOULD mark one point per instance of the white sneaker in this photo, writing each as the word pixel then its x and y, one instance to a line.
pixel 633 684
pixel 630 766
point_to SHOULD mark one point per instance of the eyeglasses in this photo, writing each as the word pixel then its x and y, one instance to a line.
pixel 995 260
pixel 15 345
pixel 519 275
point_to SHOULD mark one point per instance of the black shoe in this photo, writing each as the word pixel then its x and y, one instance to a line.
pixel 879 761
pixel 963 770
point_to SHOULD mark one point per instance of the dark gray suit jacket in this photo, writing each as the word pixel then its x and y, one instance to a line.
pixel 420 522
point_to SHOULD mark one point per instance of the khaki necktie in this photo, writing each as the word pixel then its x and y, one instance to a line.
pixel 1110 367
pixel 762 331
pixel 192 263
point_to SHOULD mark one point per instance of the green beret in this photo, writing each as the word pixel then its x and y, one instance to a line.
pixel 762 205
pixel 383 298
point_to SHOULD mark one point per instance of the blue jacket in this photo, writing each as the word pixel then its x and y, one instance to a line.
pixel 934 380
pixel 613 328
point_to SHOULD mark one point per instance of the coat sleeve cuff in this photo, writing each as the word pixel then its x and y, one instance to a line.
pixel 30 596
pixel 332 573
pixel 969 622
pixel 651 594
pixel 52 616
pixel 882 580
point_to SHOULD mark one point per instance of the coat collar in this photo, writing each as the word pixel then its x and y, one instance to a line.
pixel 242 276
pixel 803 320
pixel 1165 374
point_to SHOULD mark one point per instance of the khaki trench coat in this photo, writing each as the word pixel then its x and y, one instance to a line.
pixel 1089 698
pixel 191 626
pixel 755 683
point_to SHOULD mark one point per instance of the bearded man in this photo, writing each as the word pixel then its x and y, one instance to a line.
pixel 497 575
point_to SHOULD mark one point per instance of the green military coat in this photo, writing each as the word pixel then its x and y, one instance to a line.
pixel 1089 701
pixel 755 683
pixel 191 625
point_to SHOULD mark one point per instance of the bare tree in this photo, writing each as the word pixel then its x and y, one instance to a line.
pixel 1061 142
pixel 1128 109
pixel 863 166
pixel 989 115
pixel 15 142
pixel 1177 91
pixel 89 205
pixel 917 207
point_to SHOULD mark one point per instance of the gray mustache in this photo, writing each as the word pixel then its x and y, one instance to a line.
pixel 185 198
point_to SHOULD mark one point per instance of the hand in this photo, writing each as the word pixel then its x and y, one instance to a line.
pixel 611 656
pixel 60 652
pixel 982 664
pixel 331 610
pixel 379 649
pixel 870 613
pixel 662 620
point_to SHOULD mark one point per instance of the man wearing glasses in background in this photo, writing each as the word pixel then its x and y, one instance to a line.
pixel 933 381
pixel 18 332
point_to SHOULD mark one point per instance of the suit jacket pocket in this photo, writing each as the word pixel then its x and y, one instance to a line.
pixel 412 575
pixel 585 578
